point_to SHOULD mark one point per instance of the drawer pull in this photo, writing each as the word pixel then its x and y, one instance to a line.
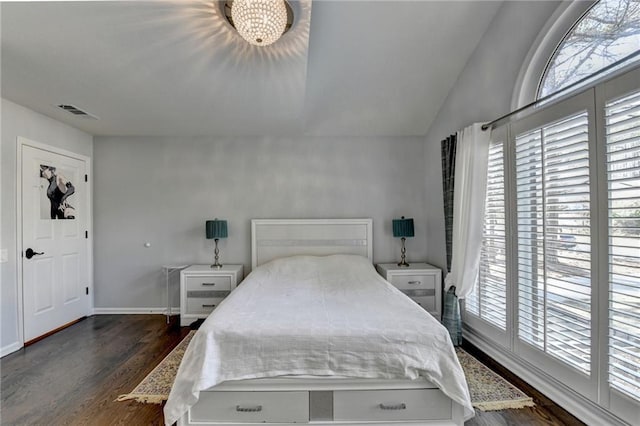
pixel 208 306
pixel 401 406
pixel 414 282
pixel 255 409
pixel 208 283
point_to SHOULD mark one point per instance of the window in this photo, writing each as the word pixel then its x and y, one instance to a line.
pixel 607 33
pixel 553 249
pixel 623 184
pixel 566 183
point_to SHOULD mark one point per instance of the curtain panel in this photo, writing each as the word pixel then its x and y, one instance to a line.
pixel 448 151
pixel 464 190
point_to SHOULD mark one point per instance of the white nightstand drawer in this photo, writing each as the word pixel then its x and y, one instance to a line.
pixel 252 407
pixel 409 282
pixel 202 305
pixel 390 405
pixel 428 303
pixel 208 283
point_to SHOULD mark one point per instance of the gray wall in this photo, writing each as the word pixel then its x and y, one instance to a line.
pixel 161 191
pixel 20 121
pixel 482 93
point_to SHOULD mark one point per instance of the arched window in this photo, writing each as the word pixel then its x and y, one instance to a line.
pixel 607 33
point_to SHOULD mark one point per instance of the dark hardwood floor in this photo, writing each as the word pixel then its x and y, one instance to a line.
pixel 74 376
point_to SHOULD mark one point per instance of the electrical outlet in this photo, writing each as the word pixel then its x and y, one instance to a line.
pixel 4 255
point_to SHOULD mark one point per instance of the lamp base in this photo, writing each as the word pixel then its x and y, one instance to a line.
pixel 216 264
pixel 403 263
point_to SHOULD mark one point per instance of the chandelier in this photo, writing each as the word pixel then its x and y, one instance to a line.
pixel 259 22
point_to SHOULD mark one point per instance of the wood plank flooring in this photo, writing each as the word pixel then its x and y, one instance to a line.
pixel 74 376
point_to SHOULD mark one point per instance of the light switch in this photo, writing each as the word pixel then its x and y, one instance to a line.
pixel 4 255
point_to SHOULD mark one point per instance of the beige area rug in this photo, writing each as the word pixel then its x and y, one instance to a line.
pixel 488 390
pixel 155 388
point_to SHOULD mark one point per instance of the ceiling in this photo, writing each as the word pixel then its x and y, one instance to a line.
pixel 361 68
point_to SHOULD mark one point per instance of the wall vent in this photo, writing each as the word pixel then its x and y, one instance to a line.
pixel 76 111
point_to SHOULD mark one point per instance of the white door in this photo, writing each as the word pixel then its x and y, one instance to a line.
pixel 55 270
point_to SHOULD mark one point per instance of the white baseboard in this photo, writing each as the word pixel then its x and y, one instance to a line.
pixel 134 311
pixel 585 410
pixel 11 348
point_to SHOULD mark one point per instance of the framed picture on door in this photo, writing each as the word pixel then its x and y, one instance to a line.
pixel 56 195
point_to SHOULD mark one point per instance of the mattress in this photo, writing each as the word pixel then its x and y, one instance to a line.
pixel 317 316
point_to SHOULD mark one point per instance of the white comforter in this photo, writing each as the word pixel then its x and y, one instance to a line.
pixel 324 316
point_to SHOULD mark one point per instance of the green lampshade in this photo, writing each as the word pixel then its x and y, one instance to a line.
pixel 216 229
pixel 403 227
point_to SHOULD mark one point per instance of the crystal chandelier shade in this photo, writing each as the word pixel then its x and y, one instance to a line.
pixel 259 22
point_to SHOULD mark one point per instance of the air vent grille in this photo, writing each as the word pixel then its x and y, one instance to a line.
pixel 76 111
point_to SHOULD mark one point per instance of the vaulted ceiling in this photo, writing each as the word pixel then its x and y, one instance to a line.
pixel 178 68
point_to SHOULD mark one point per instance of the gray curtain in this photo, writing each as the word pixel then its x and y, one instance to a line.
pixel 451 316
pixel 448 150
pixel 451 308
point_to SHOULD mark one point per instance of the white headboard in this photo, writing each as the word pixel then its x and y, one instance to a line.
pixel 275 238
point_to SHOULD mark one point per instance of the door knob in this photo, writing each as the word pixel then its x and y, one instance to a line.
pixel 30 253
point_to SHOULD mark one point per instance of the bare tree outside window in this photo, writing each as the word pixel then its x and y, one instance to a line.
pixel 609 32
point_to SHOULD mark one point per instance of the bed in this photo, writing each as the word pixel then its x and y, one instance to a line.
pixel 315 336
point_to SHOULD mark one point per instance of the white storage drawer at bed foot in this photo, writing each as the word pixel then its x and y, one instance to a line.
pixel 202 305
pixel 390 405
pixel 208 283
pixel 252 407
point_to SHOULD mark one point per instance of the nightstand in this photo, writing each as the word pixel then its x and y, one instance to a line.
pixel 420 281
pixel 202 288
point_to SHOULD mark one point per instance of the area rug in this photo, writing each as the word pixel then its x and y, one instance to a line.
pixel 488 390
pixel 155 388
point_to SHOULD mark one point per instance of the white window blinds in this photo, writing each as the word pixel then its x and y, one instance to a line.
pixel 623 176
pixel 472 302
pixel 554 242
pixel 488 300
pixel 572 195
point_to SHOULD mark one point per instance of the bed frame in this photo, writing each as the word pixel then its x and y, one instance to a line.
pixel 322 401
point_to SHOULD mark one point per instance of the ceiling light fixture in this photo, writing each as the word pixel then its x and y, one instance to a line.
pixel 259 22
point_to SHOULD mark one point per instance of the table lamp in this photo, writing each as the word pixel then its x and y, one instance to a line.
pixel 403 228
pixel 216 229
